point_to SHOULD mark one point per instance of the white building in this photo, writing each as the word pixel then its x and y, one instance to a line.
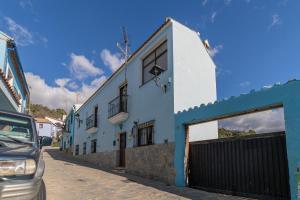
pixel 48 128
pixel 129 120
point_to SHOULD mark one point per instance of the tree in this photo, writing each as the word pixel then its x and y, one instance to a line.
pixel 37 110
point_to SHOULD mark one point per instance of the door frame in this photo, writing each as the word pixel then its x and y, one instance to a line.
pixel 122 156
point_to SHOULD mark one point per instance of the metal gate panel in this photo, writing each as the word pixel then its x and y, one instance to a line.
pixel 254 166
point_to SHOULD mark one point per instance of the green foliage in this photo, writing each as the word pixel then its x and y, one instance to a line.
pixel 37 110
pixel 55 144
pixel 224 133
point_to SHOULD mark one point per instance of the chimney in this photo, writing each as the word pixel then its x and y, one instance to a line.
pixel 206 44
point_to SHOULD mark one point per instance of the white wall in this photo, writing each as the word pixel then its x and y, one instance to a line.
pixel 205 131
pixel 45 131
pixel 145 103
pixel 194 77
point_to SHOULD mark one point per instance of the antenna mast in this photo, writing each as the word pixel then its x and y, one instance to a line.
pixel 124 47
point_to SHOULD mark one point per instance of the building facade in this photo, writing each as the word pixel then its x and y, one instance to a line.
pixel 67 137
pixel 129 121
pixel 47 128
pixel 14 91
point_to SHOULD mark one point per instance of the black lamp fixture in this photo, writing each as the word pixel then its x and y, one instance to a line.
pixel 77 116
pixel 156 70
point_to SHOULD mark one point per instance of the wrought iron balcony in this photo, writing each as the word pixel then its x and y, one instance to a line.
pixel 91 122
pixel 117 109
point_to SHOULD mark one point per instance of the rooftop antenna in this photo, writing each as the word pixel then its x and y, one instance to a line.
pixel 124 46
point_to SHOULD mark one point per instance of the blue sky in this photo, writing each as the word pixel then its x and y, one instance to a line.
pixel 69 47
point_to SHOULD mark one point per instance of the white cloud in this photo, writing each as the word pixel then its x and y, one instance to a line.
pixel 81 67
pixel 261 122
pixel 21 35
pixel 245 84
pixel 59 96
pixel 61 82
pixel 213 16
pixel 215 50
pixel 283 2
pixel 222 71
pixel 26 4
pixel 73 85
pixel 204 2
pixel 276 20
pixel 227 2
pixel 113 61
pixel 98 81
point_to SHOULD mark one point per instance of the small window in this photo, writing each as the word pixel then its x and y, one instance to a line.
pixel 77 149
pixel 94 146
pixel 145 134
pixel 159 57
pixel 41 125
pixel 84 148
pixel 96 116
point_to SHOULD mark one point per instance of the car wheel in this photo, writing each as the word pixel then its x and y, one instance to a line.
pixel 42 193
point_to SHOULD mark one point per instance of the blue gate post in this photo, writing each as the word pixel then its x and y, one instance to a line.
pixel 179 155
pixel 292 123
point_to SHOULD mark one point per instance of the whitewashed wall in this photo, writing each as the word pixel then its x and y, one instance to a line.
pixel 145 102
pixel 194 77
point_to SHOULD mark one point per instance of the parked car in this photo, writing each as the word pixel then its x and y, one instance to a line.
pixel 45 140
pixel 21 161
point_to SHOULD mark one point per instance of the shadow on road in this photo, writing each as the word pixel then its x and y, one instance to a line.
pixel 183 192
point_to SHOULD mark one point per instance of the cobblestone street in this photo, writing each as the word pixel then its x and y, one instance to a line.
pixel 69 179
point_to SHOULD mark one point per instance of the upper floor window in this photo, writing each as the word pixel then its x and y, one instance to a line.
pixel 92 120
pixel 158 57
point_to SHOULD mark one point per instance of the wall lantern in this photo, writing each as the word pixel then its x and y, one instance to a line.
pixel 77 116
pixel 156 70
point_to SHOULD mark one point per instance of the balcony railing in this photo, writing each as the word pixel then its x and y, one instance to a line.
pixel 117 105
pixel 91 122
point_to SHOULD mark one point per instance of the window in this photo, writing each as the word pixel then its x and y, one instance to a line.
pixel 77 149
pixel 96 116
pixel 16 128
pixel 84 148
pixel 156 57
pixel 145 133
pixel 41 125
pixel 94 146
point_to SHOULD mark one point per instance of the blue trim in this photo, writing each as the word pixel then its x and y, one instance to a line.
pixel 287 95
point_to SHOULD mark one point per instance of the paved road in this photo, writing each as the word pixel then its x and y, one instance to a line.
pixel 69 179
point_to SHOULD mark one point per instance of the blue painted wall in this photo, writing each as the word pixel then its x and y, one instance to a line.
pixel 5 61
pixel 2 55
pixel 286 95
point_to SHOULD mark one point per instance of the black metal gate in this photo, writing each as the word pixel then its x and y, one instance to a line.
pixel 253 166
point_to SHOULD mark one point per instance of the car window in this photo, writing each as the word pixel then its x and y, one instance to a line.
pixel 16 127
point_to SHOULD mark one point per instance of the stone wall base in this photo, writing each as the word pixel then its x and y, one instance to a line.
pixel 153 162
pixel 106 159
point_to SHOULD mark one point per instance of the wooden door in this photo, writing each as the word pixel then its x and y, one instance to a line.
pixel 122 149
